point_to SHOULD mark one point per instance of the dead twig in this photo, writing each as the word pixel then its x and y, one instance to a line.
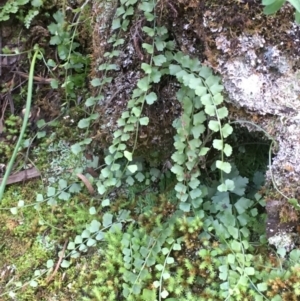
pixel 22 176
pixel 137 38
pixel 38 79
pixel 175 13
pixel 58 263
pixel 86 183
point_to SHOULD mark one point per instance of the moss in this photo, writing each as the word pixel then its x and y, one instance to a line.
pixel 27 243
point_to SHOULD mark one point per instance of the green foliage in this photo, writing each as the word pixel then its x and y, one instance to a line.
pixel 29 17
pixel 74 63
pixel 199 96
pixel 14 7
pixel 202 236
pixel 132 119
pixel 10 133
pixel 11 7
pixel 221 210
pixel 272 6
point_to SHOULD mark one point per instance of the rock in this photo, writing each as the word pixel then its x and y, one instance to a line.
pixel 258 59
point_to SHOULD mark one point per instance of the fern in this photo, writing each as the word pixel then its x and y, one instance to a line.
pixel 29 17
pixel 11 7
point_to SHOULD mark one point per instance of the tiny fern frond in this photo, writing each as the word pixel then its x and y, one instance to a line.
pixel 29 17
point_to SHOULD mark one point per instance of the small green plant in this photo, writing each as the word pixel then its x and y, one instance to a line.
pixel 72 62
pixel 13 7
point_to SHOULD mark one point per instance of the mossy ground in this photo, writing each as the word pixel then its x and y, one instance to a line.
pixel 32 237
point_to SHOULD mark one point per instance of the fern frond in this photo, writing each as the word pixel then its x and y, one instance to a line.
pixel 29 17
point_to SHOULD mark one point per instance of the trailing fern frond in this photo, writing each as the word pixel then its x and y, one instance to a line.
pixel 29 17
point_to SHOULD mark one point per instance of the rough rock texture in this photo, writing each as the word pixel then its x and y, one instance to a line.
pixel 159 131
pixel 257 57
pixel 261 76
pixel 261 79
